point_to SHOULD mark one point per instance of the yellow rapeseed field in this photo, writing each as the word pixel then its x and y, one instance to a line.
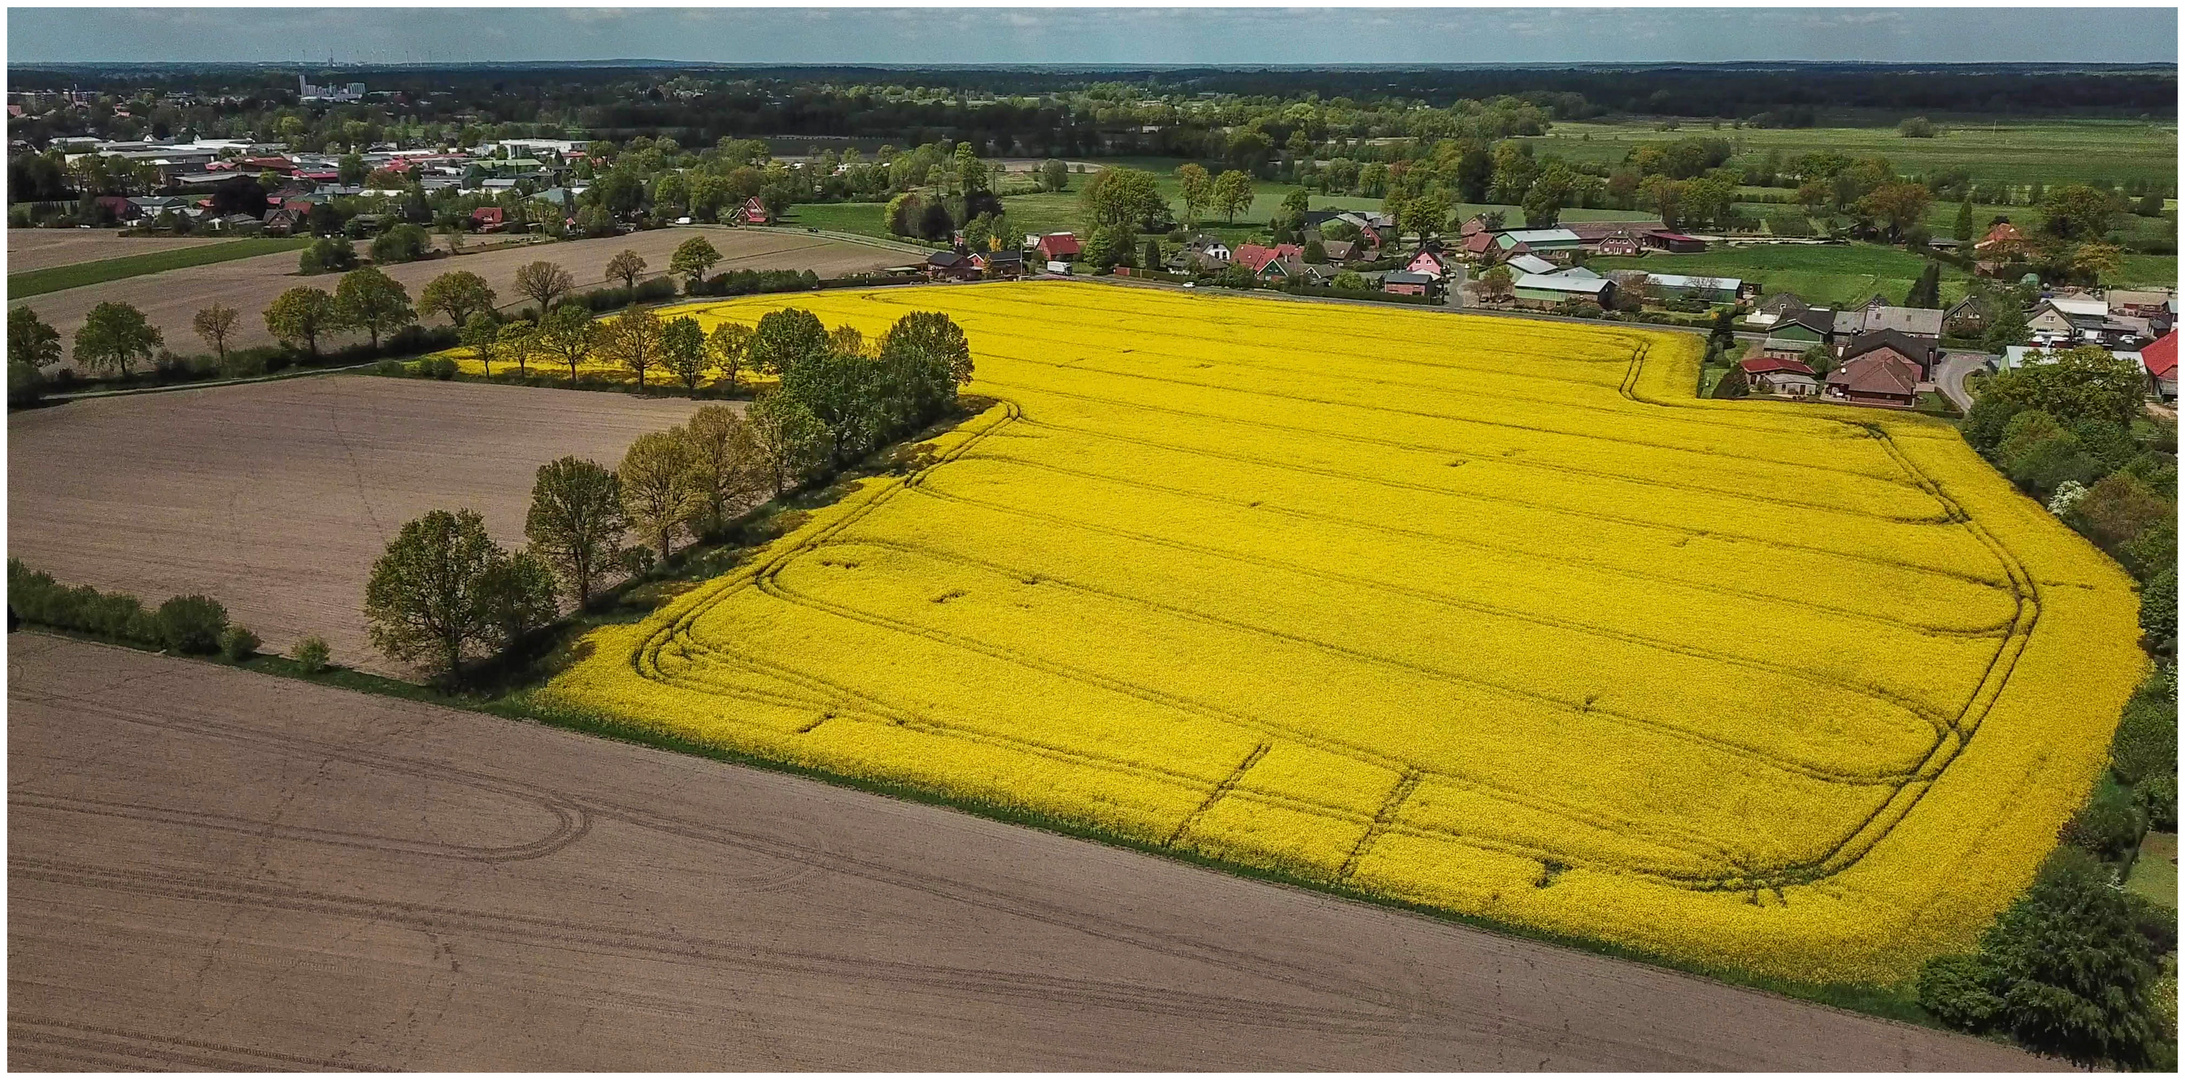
pixel 1471 612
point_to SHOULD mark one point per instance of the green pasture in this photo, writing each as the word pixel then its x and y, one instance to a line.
pixel 56 278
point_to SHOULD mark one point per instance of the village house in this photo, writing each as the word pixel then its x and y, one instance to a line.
pixel 754 212
pixel 951 266
pixel 1339 251
pixel 1201 253
pixel 1879 378
pixel 1007 263
pixel 1879 314
pixel 1778 377
pixel 1771 308
pixel 2002 245
pixel 488 219
pixel 2159 359
pixel 1480 247
pixel 1919 351
pixel 1430 260
pixel 2079 320
pixel 1798 332
pixel 1258 259
pixel 1057 247
pixel 1964 318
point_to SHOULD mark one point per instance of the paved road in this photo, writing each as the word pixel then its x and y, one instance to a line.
pixel 209 868
pixel 1950 376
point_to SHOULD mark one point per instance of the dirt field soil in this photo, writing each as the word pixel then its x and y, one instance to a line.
pixel 41 249
pixel 213 869
pixel 274 498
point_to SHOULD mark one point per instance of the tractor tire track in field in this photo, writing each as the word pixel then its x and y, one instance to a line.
pixel 668 937
pixel 766 580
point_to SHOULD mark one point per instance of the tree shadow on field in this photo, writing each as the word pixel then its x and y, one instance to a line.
pixel 540 656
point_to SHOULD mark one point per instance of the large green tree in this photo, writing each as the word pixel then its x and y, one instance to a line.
pixel 693 258
pixel 1123 196
pixel 576 522
pixel 32 340
pixel 659 487
pixel 568 334
pixel 114 337
pixel 368 300
pixel 443 592
pixel 2084 383
pixel 783 338
pixel 458 295
pixel 300 315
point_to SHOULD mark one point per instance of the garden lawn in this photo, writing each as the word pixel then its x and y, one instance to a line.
pixel 2004 151
pixel 1823 274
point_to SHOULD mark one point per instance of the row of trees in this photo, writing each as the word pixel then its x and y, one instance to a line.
pixel 444 593
pixel 2073 966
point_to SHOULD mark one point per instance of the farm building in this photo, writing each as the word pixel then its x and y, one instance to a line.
pixel 1879 378
pixel 1531 264
pixel 1551 243
pixel 1480 245
pixel 1780 377
pixel 1548 290
pixel 1057 247
pixel 2160 361
pixel 2138 304
pixel 1621 242
pixel 1719 290
pixel 1406 283
pixel 1674 242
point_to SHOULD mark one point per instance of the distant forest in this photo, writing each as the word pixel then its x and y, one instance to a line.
pixel 1785 94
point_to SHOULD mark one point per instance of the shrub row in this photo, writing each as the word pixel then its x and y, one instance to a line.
pixel 1358 294
pixel 195 625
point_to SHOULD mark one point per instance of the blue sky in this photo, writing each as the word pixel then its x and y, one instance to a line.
pixel 1095 36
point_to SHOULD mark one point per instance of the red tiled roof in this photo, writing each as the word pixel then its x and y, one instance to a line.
pixel 1766 364
pixel 2160 356
pixel 1253 257
pixel 2003 233
pixel 1480 243
pixel 1877 372
pixel 1060 243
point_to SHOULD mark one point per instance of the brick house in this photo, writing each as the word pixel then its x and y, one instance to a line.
pixel 1879 378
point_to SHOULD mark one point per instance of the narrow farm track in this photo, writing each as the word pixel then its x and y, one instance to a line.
pixel 210 869
pixel 1525 630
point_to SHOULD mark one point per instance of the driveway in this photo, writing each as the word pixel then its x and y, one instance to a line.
pixel 1950 376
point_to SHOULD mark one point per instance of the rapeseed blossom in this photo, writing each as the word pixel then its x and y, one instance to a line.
pixel 1469 612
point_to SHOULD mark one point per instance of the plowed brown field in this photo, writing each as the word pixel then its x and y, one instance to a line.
pixel 213 869
pixel 274 498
